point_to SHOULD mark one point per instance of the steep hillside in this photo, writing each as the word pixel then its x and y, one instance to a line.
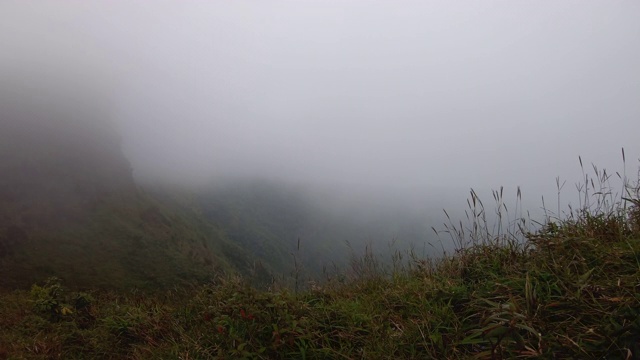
pixel 69 208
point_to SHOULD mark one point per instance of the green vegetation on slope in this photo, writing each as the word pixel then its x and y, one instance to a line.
pixel 117 242
pixel 69 208
pixel 571 290
pixel 127 239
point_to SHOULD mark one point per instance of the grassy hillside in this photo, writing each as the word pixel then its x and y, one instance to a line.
pixel 570 290
pixel 69 208
pixel 116 242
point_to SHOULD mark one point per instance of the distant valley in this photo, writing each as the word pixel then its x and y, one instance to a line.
pixel 70 208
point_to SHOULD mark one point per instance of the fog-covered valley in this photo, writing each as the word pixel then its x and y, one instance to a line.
pixel 252 135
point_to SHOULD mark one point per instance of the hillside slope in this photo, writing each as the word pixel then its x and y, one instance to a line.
pixel 69 207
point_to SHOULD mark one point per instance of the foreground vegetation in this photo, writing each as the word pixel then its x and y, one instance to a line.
pixel 571 289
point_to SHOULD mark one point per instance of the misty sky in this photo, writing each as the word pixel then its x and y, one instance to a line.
pixel 417 97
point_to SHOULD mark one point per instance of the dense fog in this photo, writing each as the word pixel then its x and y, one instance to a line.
pixel 406 104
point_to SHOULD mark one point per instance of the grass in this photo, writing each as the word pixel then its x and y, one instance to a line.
pixel 118 242
pixel 570 289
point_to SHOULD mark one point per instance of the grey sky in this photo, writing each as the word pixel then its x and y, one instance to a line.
pixel 415 96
